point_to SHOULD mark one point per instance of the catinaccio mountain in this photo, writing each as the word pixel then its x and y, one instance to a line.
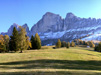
pixel 52 26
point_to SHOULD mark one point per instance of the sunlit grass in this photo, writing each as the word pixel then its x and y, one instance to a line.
pixel 49 61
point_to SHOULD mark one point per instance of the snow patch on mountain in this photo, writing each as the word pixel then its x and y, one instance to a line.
pixel 93 37
pixel 52 35
pixel 59 34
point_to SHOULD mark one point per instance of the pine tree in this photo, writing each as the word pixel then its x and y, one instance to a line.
pixel 58 44
pixel 63 44
pixel 37 41
pixel 81 42
pixel 98 47
pixel 33 42
pixel 13 43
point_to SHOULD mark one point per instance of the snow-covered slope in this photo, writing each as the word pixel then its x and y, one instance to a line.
pixel 93 37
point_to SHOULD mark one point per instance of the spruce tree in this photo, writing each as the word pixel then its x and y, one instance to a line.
pixel 98 47
pixel 63 44
pixel 37 41
pixel 58 44
pixel 13 43
pixel 33 42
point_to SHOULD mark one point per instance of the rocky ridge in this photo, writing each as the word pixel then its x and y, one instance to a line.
pixel 52 26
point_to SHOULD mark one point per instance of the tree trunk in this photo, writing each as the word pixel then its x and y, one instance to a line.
pixel 21 51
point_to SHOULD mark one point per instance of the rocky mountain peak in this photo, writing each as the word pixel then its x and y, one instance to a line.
pixel 49 13
pixel 70 15
pixel 26 27
pixel 52 26
pixel 49 22
pixel 14 25
pixel 11 28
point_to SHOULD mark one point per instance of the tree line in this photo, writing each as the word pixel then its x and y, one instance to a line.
pixel 19 41
pixel 60 44
pixel 75 42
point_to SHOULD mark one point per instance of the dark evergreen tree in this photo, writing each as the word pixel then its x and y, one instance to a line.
pixel 63 44
pixel 98 47
pixel 84 43
pixel 81 42
pixel 13 43
pixel 33 42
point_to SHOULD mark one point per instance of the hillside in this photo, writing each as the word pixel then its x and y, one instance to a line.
pixel 49 61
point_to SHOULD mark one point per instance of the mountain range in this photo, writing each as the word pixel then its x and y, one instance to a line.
pixel 52 27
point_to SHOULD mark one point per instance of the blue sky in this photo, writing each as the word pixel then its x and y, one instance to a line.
pixel 31 11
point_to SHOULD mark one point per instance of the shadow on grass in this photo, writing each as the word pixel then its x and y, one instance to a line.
pixel 49 73
pixel 53 64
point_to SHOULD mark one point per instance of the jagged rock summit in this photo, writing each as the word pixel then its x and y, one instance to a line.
pixel 49 22
pixel 52 26
pixel 10 30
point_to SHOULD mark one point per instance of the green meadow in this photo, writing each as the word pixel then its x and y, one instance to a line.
pixel 49 61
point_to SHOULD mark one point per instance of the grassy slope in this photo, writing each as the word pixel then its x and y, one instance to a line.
pixel 48 61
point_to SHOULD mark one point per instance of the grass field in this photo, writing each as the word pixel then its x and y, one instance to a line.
pixel 49 61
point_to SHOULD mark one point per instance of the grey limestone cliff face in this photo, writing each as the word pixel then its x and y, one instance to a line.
pixel 52 26
pixel 73 22
pixel 70 20
pixel 79 27
pixel 25 26
pixel 71 27
pixel 10 30
pixel 49 22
